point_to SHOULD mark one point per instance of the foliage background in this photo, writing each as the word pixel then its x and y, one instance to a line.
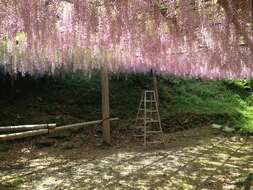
pixel 185 102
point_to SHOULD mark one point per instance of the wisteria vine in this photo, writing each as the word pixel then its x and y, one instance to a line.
pixel 208 39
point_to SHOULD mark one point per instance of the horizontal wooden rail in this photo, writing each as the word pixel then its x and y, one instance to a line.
pixel 20 128
pixel 21 135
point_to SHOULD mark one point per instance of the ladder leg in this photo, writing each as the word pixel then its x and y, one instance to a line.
pixel 138 113
pixel 151 106
pixel 145 119
pixel 159 119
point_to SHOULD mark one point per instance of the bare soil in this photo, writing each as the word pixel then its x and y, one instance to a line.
pixel 199 158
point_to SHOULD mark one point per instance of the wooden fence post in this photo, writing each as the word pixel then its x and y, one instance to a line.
pixel 105 105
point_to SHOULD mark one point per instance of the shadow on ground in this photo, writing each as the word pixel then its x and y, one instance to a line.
pixel 197 158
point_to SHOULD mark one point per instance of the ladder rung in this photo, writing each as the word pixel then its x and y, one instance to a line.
pixel 149 100
pixel 138 135
pixel 147 133
pixel 148 110
pixel 151 132
pixel 154 142
pixel 138 127
pixel 150 91
pixel 152 121
pixel 141 127
pixel 148 120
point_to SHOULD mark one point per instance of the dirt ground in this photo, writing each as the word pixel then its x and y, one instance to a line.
pixel 199 158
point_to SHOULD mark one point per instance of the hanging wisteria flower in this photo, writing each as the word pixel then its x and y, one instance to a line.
pixel 208 39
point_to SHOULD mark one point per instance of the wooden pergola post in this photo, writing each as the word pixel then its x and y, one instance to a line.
pixel 156 87
pixel 105 105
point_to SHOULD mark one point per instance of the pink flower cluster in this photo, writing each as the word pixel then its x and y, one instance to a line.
pixel 201 39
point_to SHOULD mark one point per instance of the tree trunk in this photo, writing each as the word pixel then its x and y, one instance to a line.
pixel 105 105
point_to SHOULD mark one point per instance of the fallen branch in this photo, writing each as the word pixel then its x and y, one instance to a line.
pixel 20 128
pixel 21 135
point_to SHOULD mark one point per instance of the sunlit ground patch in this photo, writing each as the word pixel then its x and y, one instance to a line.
pixel 204 162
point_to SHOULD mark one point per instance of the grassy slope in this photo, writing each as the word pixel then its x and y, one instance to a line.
pixel 184 102
pixel 224 102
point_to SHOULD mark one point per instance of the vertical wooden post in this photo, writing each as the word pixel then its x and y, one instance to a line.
pixel 155 85
pixel 105 105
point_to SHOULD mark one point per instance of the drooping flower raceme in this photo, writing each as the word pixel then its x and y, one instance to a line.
pixel 207 39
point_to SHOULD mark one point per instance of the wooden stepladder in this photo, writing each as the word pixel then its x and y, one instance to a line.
pixel 148 122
